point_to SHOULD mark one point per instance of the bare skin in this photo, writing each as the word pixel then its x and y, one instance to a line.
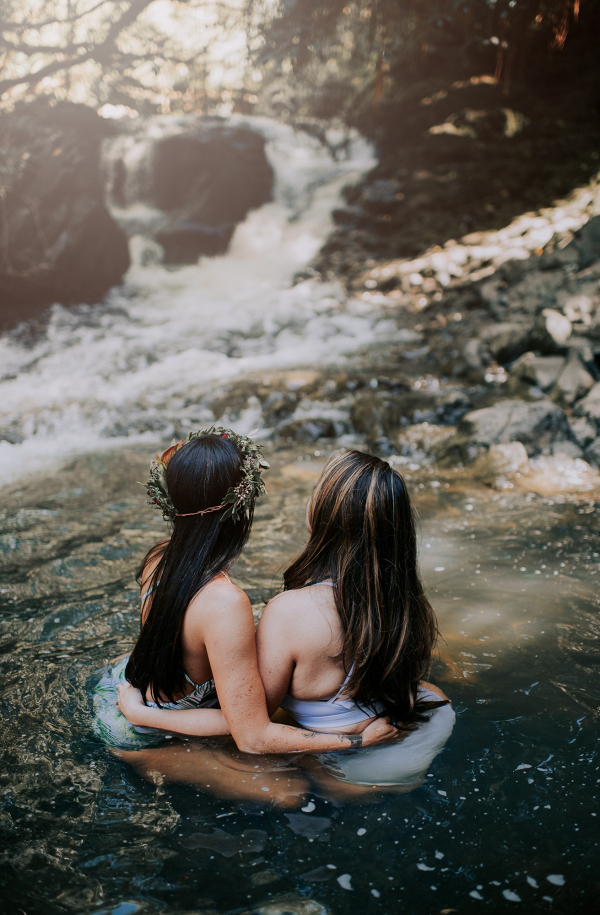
pixel 218 642
pixel 298 640
pixel 222 771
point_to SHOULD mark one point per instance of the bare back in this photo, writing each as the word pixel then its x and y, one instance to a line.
pixel 219 590
pixel 299 639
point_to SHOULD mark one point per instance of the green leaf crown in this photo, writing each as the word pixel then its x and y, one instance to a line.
pixel 238 499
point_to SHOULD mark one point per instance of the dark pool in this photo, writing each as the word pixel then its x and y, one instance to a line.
pixel 507 817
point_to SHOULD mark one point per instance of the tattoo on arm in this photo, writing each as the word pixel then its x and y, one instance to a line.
pixel 310 735
pixel 356 740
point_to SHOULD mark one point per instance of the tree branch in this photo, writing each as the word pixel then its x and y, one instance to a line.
pixel 33 26
pixel 30 49
pixel 98 53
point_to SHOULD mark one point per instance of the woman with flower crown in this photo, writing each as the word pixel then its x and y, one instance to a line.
pixel 350 638
pixel 196 648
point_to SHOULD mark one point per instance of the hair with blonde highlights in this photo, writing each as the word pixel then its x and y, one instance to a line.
pixel 363 538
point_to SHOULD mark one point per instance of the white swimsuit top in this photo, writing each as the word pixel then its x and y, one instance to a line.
pixel 324 714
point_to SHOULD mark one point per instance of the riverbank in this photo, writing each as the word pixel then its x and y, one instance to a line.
pixel 492 357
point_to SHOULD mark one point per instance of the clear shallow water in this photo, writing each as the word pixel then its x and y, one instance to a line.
pixel 504 819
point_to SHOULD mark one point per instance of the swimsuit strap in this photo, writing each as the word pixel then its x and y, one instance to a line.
pixel 341 689
pixel 191 682
pixel 148 593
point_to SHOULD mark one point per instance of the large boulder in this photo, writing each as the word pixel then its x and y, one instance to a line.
pixel 541 371
pixel 501 464
pixel 550 332
pixel 573 382
pixel 537 425
pixel 197 177
pixel 59 243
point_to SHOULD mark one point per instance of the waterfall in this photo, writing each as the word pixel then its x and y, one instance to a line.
pixel 138 365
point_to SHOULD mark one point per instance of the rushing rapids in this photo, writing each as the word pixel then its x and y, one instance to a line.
pixel 146 356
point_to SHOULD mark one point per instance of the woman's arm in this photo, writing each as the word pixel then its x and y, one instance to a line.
pixel 228 630
pixel 202 722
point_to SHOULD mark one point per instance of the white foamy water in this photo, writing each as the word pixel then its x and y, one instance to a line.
pixel 130 368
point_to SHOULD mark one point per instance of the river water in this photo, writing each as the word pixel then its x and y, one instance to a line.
pixel 506 815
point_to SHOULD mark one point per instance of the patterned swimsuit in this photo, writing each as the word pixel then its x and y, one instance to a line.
pixel 113 727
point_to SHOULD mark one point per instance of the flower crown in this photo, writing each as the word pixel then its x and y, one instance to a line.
pixel 237 499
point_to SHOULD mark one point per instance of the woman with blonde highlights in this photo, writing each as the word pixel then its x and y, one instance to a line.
pixel 363 543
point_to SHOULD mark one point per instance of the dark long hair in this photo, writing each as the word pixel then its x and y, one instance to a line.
pixel 363 539
pixel 198 476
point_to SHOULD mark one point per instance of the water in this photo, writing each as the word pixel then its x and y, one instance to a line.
pixel 157 345
pixel 506 814
pixel 507 809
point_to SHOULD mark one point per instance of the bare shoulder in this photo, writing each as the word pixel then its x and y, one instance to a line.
pixel 220 596
pixel 288 604
pixel 301 610
pixel 434 689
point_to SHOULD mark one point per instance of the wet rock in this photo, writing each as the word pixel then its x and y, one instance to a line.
pixel 541 371
pixel 375 414
pixel 579 308
pixel 585 349
pixel 582 431
pixel 590 406
pixel 573 381
pixel 473 360
pixel 592 453
pixel 308 429
pixel 379 415
pixel 311 827
pixel 566 449
pixel 450 406
pixel 536 425
pixel 185 239
pixel 501 464
pixel 423 440
pixel 200 176
pixel 550 332
pixel 60 243
pixel 588 242
pixel 279 406
pixel 288 904
pixel 227 845
pixel 504 341
pixel 12 434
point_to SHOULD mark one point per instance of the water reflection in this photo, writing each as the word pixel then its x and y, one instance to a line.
pixel 507 810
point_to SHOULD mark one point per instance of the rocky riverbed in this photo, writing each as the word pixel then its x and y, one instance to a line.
pixel 497 367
